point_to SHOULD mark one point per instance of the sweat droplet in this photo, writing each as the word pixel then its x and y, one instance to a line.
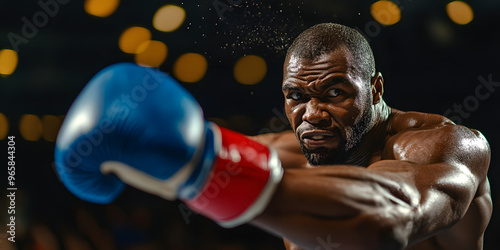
pixel 266 27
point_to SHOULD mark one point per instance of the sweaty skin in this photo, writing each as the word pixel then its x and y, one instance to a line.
pixel 414 180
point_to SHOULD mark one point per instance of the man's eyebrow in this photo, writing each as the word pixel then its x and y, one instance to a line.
pixel 329 83
pixel 289 87
pixel 333 81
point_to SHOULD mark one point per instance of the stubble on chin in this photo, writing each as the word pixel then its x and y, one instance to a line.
pixel 323 156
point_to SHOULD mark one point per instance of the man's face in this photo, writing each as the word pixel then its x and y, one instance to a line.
pixel 328 104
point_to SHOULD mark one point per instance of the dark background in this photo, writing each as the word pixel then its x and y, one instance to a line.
pixel 429 64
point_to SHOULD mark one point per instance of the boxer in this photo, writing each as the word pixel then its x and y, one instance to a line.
pixel 352 174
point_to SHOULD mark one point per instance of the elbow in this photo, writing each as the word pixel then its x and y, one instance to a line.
pixel 363 232
pixel 386 223
pixel 384 230
pixel 388 220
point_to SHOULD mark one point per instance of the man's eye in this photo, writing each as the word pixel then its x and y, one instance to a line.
pixel 295 96
pixel 334 92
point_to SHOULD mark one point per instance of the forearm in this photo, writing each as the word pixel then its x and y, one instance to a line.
pixel 312 192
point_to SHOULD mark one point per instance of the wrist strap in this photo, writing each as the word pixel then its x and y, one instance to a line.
pixel 242 180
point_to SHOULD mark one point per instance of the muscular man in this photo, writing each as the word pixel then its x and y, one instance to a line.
pixel 375 177
pixel 356 173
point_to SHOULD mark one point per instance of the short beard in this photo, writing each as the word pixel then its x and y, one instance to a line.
pixel 325 157
pixel 351 137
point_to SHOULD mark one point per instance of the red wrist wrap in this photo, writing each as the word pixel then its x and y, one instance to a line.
pixel 242 180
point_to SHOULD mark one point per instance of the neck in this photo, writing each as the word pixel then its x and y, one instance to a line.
pixel 381 113
pixel 373 140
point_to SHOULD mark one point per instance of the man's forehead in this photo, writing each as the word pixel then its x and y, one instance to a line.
pixel 338 57
pixel 304 69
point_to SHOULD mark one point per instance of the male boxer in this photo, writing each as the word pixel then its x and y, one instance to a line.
pixel 353 174
pixel 375 177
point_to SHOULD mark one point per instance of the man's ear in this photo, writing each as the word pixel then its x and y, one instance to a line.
pixel 377 86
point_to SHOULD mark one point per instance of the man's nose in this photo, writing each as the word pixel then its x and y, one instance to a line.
pixel 316 113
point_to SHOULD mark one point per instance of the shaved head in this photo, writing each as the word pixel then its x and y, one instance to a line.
pixel 323 38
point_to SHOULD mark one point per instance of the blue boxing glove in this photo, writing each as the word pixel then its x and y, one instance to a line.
pixel 136 125
pixel 125 114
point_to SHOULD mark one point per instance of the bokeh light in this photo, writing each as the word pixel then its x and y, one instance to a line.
pixel 30 127
pixel 151 53
pixel 101 8
pixel 4 126
pixel 190 67
pixel 132 37
pixel 8 61
pixel 51 125
pixel 460 12
pixel 250 70
pixel 385 12
pixel 440 31
pixel 169 18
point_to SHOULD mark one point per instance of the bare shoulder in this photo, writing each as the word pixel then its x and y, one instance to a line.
pixel 430 138
pixel 286 145
pixel 283 140
pixel 273 138
pixel 433 139
pixel 401 121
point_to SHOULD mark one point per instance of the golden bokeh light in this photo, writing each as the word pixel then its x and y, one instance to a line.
pixel 8 61
pixel 30 127
pixel 51 125
pixel 385 12
pixel 132 38
pixel 169 18
pixel 250 70
pixel 151 53
pixel 4 126
pixel 460 12
pixel 190 67
pixel 101 8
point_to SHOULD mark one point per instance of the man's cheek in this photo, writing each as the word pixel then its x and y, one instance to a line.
pixel 295 117
pixel 347 117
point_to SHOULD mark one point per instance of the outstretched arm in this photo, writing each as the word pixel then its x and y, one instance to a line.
pixel 425 184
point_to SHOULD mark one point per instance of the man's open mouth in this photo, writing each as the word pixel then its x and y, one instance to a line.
pixel 319 138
